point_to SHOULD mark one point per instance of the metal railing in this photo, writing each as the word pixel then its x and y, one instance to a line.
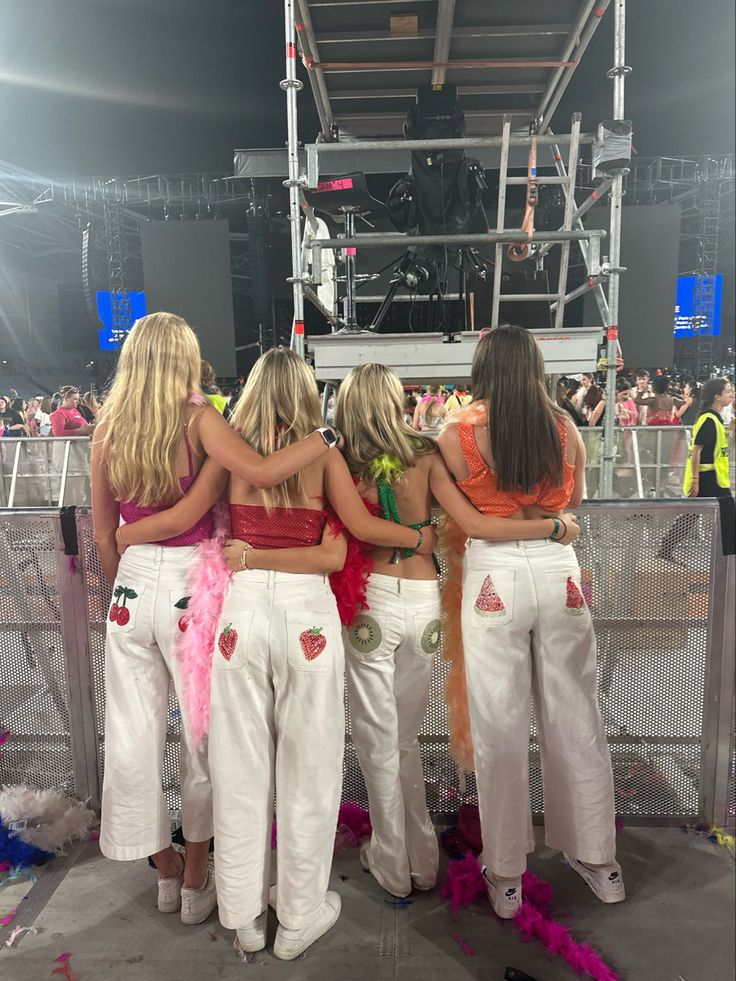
pixel 42 471
pixel 649 461
pixel 665 663
pixel 54 471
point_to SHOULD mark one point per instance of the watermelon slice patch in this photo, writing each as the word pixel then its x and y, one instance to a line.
pixel 574 603
pixel 489 603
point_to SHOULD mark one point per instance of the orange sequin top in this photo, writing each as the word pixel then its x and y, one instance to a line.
pixel 480 485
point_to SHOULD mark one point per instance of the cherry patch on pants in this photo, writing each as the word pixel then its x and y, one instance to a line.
pixel 489 603
pixel 119 612
pixel 183 604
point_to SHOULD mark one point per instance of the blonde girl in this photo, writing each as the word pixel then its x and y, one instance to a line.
pixel 143 460
pixel 390 648
pixel 277 718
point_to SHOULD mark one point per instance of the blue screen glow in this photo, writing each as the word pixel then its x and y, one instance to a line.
pixel 110 340
pixel 685 307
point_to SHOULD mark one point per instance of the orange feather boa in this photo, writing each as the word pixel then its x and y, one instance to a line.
pixel 452 539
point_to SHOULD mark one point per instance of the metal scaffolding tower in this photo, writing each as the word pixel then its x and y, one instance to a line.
pixel 368 103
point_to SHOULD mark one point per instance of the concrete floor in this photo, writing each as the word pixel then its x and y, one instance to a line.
pixel 677 925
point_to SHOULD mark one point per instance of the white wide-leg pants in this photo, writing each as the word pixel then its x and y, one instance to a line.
pixel 139 670
pixel 527 630
pixel 389 652
pixel 278 721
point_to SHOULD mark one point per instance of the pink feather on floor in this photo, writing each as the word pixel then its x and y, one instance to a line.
pixel 533 924
pixel 463 882
pixel 354 820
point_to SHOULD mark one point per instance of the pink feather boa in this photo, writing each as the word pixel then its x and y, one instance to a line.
pixel 463 884
pixel 207 585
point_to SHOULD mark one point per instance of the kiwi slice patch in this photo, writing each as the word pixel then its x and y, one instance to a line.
pixel 431 637
pixel 365 634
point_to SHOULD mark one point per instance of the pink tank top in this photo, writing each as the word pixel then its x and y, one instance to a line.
pixel 131 511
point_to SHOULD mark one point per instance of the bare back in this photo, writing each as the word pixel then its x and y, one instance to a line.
pixel 414 501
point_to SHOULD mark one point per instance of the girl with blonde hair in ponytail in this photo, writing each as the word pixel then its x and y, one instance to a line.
pixel 393 628
pixel 144 458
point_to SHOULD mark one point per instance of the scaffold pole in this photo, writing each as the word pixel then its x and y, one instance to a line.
pixel 618 73
pixel 291 86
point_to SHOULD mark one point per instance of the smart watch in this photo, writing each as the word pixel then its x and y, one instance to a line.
pixel 330 436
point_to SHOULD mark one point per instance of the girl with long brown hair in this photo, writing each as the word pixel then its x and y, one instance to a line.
pixel 526 629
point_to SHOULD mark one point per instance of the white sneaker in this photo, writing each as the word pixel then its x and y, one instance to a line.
pixel 365 861
pixel 169 892
pixel 290 944
pixel 605 881
pixel 252 938
pixel 197 904
pixel 504 894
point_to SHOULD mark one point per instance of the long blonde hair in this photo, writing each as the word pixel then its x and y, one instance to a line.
pixel 145 414
pixel 369 412
pixel 279 406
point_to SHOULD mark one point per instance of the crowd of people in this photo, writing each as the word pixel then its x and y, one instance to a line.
pixel 68 412
pixel 325 568
pixel 642 399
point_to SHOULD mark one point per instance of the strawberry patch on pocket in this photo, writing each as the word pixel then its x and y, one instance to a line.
pixel 183 604
pixel 120 611
pixel 574 602
pixel 489 603
pixel 227 640
pixel 313 642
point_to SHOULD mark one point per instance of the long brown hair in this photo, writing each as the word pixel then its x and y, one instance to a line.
pixel 508 373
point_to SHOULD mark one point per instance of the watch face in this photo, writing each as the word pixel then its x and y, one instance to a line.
pixel 329 437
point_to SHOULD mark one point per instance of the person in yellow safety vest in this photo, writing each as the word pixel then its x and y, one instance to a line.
pixel 457 399
pixel 707 471
pixel 208 383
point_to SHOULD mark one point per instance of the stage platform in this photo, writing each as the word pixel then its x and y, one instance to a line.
pixel 420 359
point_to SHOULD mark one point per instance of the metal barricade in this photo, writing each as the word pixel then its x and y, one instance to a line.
pixel 650 463
pixel 665 664
pixel 44 471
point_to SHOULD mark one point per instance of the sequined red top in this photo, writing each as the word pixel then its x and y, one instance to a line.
pixel 480 485
pixel 278 528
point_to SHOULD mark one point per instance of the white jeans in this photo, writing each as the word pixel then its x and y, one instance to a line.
pixel 278 720
pixel 526 629
pixel 389 652
pixel 139 670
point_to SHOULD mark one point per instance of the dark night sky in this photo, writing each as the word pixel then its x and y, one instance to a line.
pixel 146 86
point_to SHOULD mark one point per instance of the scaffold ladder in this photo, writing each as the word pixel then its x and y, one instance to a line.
pixel 567 181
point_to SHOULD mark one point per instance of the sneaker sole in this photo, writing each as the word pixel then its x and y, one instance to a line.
pixel 192 919
pixel 292 956
pixel 618 897
pixel 173 907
